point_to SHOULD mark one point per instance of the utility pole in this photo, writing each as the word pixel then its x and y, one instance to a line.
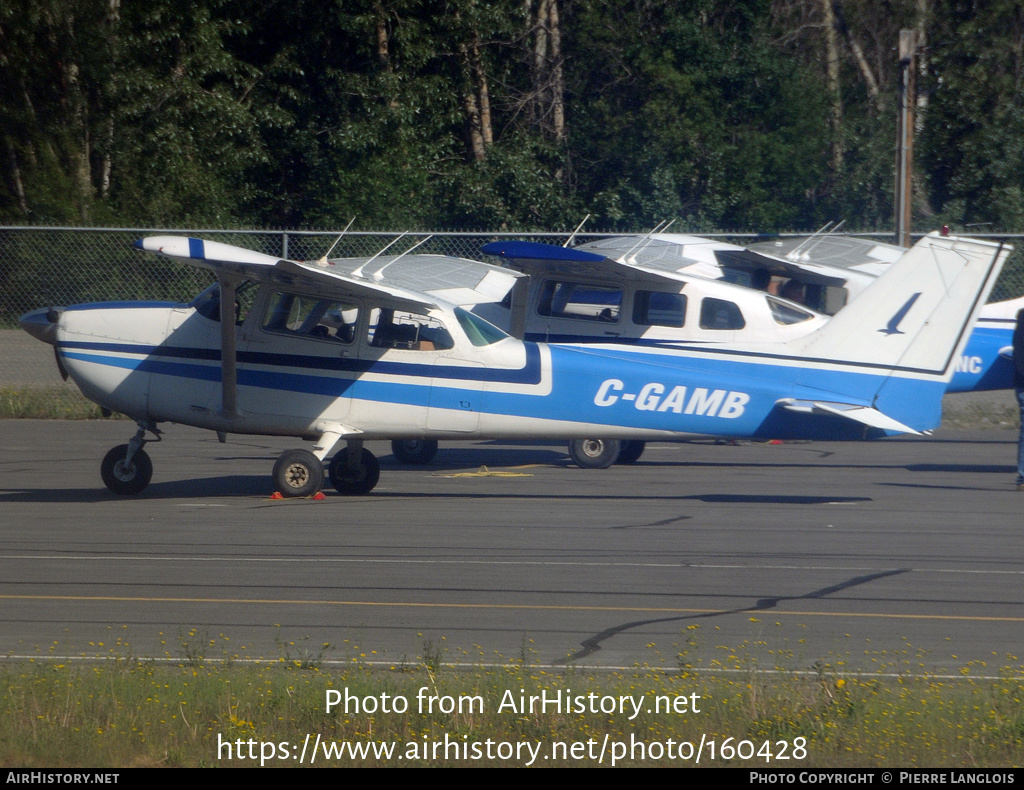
pixel 906 97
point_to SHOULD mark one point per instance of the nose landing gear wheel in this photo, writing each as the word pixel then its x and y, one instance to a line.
pixel 126 478
pixel 414 451
pixel 354 482
pixel 298 473
pixel 594 453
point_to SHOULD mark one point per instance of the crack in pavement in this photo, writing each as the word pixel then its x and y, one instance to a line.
pixel 593 644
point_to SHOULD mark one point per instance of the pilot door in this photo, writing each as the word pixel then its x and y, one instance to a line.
pixel 298 358
pixel 413 380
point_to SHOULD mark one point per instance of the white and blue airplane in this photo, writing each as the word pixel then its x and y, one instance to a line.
pixel 341 352
pixel 677 290
pixel 673 289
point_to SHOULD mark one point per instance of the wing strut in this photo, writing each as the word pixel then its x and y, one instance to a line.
pixel 520 298
pixel 228 350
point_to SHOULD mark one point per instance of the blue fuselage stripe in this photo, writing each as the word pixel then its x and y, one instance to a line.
pixel 642 398
pixel 529 374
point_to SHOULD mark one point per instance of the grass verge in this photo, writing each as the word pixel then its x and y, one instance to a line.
pixel 50 403
pixel 195 712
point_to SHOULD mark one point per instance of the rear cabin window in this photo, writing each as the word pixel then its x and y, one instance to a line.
pixel 406 330
pixel 580 302
pixel 655 308
pixel 720 314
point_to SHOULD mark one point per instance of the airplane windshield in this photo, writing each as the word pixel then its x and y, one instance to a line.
pixel 479 331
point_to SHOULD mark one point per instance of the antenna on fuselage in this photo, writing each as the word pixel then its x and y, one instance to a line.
pixel 647 238
pixel 379 274
pixel 834 229
pixel 359 272
pixel 323 261
pixel 572 235
pixel 798 252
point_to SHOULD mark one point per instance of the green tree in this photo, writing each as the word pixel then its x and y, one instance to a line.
pixel 693 112
pixel 973 142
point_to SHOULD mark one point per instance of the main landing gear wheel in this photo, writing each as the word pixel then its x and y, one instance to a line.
pixel 126 478
pixel 630 451
pixel 358 481
pixel 414 451
pixel 594 453
pixel 298 473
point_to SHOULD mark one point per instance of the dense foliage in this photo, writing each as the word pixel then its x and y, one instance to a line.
pixel 742 114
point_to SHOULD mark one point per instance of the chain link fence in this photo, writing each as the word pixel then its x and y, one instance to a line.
pixel 40 267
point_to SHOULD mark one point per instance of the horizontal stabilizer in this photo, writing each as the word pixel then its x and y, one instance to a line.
pixel 862 414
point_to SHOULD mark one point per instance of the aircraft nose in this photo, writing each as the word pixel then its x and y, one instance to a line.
pixel 41 324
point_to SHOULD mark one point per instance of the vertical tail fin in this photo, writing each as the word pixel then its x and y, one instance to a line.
pixel 909 326
pixel 916 317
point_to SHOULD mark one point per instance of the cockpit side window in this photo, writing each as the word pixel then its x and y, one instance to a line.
pixel 579 301
pixel 720 314
pixel 655 308
pixel 390 328
pixel 321 319
pixel 207 304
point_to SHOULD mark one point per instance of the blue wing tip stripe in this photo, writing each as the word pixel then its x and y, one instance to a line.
pixel 196 249
pixel 535 250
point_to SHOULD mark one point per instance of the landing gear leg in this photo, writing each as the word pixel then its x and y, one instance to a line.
pixel 354 471
pixel 126 469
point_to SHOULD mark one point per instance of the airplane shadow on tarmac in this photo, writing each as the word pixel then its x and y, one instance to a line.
pixel 456 459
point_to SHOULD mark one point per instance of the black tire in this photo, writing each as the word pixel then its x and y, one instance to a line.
pixel 354 482
pixel 126 479
pixel 298 473
pixel 594 453
pixel 630 451
pixel 414 451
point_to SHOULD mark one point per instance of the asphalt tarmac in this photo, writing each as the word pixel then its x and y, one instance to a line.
pixel 900 556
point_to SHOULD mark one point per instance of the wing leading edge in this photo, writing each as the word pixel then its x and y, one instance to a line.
pixel 415 282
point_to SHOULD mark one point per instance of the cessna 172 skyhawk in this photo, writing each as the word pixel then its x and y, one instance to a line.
pixel 330 351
